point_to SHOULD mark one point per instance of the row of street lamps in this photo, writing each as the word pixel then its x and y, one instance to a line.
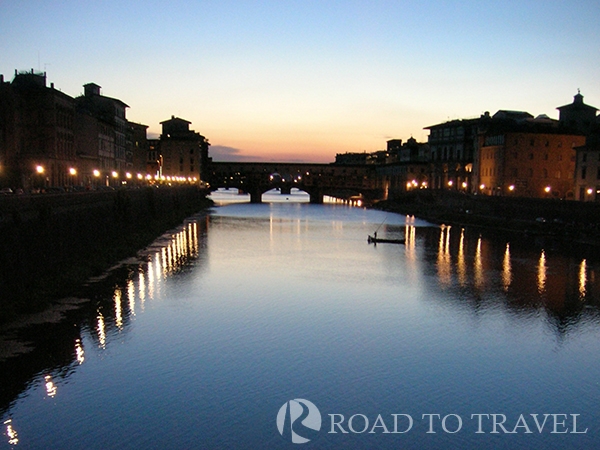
pixel 40 170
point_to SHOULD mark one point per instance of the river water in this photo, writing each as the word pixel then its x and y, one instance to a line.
pixel 230 328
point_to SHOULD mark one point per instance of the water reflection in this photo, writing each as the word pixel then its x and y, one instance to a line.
pixel 541 277
pixel 461 264
pixel 444 262
pixel 50 386
pixel 582 278
pixel 101 331
pixel 478 267
pixel 58 348
pixel 239 338
pixel 118 312
pixel 490 272
pixel 11 433
pixel 131 296
pixel 79 352
pixel 506 268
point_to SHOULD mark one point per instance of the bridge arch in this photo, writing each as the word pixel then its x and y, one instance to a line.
pixel 315 179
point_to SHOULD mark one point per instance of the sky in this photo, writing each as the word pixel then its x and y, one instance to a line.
pixel 303 80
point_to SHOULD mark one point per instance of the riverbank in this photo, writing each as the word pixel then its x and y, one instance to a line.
pixel 52 243
pixel 566 220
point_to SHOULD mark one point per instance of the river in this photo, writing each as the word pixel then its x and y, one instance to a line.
pixel 277 325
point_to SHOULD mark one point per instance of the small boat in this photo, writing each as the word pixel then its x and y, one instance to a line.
pixel 376 240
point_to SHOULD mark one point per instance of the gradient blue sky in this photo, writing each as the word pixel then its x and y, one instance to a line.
pixel 304 80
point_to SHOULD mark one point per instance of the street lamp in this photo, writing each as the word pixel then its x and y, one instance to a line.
pixel 40 171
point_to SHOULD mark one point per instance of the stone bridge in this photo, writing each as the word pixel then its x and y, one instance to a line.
pixel 256 178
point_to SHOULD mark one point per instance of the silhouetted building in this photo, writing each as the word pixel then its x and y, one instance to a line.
pixel 139 149
pixel 102 137
pixel 37 133
pixel 182 153
pixel 351 158
pixel 452 145
pixel 407 167
pixel 393 150
pixel 578 115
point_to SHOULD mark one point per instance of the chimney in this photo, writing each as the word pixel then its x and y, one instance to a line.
pixel 51 85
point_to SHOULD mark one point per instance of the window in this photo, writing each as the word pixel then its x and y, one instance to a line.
pixel 598 174
pixel 532 142
pixel 583 173
pixel 584 157
pixel 531 156
pixel 530 172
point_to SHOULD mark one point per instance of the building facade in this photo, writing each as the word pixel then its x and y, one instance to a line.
pixel 37 133
pixel 104 140
pixel 452 147
pixel 524 156
pixel 182 153
pixel 587 171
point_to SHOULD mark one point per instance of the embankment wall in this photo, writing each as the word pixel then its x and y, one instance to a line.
pixel 50 242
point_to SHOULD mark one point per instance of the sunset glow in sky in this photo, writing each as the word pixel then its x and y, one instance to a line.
pixel 304 80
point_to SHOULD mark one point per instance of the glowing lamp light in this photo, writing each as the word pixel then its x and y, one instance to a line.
pixel 39 169
pixel 115 174
pixel 511 187
pixel 408 185
pixel 96 173
pixel 450 183
pixel 590 191
pixel 140 176
pixel 482 186
pixel 128 175
pixel 73 171
pixel 547 189
pixel 464 185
